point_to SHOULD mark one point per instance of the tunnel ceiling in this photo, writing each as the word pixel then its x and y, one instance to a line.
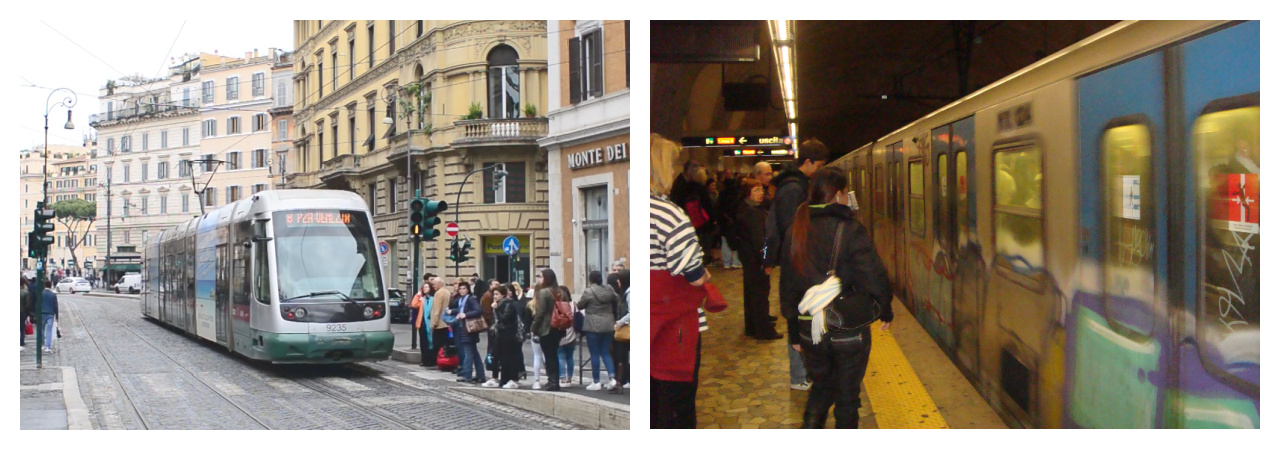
pixel 844 67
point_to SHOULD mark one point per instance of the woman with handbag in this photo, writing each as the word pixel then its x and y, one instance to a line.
pixel 551 317
pixel 598 304
pixel 621 281
pixel 843 287
pixel 467 329
pixel 508 332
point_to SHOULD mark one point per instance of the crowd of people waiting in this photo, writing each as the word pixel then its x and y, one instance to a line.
pixel 451 318
pixel 832 287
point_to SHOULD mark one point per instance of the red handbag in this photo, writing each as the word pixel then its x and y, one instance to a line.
pixel 31 329
pixel 446 363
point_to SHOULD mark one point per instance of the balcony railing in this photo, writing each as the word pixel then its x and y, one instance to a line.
pixel 343 165
pixel 192 106
pixel 501 131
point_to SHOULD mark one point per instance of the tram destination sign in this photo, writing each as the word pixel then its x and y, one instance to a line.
pixel 313 218
pixel 737 141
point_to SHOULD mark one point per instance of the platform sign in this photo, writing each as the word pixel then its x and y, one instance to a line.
pixel 738 141
pixel 451 228
pixel 510 245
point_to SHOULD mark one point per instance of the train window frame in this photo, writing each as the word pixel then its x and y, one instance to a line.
pixel 1218 105
pixel 941 199
pixel 878 197
pixel 1105 225
pixel 914 164
pixel 963 230
pixel 1038 280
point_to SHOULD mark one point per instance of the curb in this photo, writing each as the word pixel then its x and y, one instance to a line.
pixel 406 356
pixel 585 411
pixel 110 295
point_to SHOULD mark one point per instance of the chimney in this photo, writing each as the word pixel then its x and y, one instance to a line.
pixel 248 55
pixel 255 53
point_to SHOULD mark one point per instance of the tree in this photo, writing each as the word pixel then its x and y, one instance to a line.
pixel 73 214
pixel 415 101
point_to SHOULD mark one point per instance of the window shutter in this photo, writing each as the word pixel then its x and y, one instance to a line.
pixel 575 80
pixel 597 66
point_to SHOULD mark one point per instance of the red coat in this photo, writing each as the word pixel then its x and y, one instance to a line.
pixel 673 330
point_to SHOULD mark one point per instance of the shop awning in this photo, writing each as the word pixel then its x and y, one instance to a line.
pixel 123 267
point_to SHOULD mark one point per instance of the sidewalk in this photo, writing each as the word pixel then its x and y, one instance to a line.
pixel 50 396
pixel 596 409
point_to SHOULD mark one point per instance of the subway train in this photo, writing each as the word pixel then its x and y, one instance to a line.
pixel 1082 237
pixel 286 276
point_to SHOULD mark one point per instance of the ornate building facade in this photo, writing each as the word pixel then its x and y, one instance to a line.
pixel 388 108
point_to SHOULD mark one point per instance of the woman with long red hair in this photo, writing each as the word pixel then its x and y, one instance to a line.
pixel 835 336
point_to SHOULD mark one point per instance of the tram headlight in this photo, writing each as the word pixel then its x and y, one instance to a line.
pixel 368 312
pixel 300 313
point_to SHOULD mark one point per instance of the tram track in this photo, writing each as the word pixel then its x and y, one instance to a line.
pixel 382 415
pixel 115 375
pixel 113 371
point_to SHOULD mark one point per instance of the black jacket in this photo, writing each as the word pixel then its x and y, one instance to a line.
pixel 749 229
pixel 858 265
pixel 792 189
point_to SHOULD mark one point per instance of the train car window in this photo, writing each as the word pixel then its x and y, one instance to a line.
pixel 1130 224
pixel 1019 219
pixel 941 224
pixel 962 193
pixel 878 181
pixel 1226 145
pixel 915 197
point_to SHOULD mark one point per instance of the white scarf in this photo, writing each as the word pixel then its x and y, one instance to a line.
pixel 815 302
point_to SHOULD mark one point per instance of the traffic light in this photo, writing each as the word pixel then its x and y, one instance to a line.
pixel 422 218
pixel 458 252
pixel 432 209
pixel 39 240
pixel 499 176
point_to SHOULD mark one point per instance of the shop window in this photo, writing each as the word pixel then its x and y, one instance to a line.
pixel 595 227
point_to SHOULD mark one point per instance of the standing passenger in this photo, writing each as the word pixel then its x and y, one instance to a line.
pixel 508 355
pixel 439 329
pixel 676 275
pixel 49 309
pixel 793 187
pixel 466 306
pixel 599 305
pixel 621 281
pixel 825 238
pixel 421 306
pixel 755 281
pixel 548 336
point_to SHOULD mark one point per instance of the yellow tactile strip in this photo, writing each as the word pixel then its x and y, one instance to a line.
pixel 896 393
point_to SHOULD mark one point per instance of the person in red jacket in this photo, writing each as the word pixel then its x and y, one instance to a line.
pixel 676 275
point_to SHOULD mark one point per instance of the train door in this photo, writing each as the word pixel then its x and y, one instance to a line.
pixel 915 276
pixel 1117 332
pixel 221 291
pixel 966 254
pixel 239 280
pixel 1217 225
pixel 882 232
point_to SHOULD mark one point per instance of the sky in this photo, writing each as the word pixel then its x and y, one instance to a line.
pixel 78 53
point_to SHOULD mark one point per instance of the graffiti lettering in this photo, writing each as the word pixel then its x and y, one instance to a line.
pixel 1235 267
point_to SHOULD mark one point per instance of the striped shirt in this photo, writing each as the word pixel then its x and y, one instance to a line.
pixel 673 245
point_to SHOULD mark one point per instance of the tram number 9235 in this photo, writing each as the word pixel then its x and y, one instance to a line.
pixel 317 218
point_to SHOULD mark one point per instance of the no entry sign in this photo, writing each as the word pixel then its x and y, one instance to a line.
pixel 451 228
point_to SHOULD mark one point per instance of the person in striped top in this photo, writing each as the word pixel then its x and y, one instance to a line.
pixel 676 275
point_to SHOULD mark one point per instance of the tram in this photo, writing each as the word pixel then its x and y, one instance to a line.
pixel 287 276
pixel 1082 236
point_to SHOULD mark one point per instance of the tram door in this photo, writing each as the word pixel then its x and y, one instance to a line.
pixel 220 291
pixel 959 223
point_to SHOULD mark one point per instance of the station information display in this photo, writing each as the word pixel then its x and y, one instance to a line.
pixel 737 141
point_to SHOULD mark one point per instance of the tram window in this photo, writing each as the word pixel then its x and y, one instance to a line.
pixel 1226 144
pixel 1019 219
pixel 261 280
pixel 962 194
pixel 240 275
pixel 1130 224
pixel 941 224
pixel 916 197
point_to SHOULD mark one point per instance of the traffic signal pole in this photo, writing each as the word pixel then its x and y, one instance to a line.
pixel 457 251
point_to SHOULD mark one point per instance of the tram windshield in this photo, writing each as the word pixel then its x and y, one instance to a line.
pixel 325 254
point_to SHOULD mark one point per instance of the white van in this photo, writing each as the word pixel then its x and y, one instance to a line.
pixel 131 283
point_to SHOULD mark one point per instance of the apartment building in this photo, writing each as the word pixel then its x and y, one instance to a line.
pixel 589 146
pixel 387 108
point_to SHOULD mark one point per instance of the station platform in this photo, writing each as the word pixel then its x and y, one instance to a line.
pixel 910 382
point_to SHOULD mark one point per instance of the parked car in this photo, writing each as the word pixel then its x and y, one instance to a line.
pixel 399 306
pixel 131 283
pixel 73 285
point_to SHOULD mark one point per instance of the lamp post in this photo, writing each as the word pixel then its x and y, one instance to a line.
pixel 37 290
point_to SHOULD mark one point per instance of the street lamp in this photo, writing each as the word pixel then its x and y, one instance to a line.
pixel 37 290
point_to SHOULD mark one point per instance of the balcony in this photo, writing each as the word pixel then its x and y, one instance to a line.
pixel 336 171
pixel 500 132
pixel 144 112
pixel 305 180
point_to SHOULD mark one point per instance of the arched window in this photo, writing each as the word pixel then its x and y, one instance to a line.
pixel 504 83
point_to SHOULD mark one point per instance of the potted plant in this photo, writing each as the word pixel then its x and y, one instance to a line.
pixel 474 113
pixel 111 87
pixel 530 111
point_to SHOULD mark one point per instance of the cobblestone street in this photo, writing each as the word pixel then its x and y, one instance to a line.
pixel 134 373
